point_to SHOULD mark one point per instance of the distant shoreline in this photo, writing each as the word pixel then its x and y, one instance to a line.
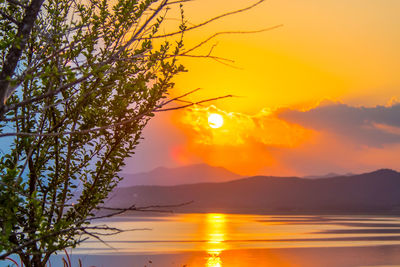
pixel 296 213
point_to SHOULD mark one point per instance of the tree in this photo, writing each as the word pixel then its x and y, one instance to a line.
pixel 79 80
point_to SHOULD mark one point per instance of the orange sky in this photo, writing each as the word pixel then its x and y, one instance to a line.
pixel 313 95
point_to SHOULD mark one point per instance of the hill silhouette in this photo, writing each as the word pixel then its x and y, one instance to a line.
pixel 182 175
pixel 378 191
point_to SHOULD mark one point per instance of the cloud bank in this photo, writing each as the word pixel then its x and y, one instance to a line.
pixel 366 126
pixel 331 136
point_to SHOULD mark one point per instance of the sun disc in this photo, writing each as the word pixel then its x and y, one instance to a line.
pixel 215 120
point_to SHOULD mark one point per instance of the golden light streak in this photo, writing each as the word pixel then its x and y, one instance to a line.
pixel 216 231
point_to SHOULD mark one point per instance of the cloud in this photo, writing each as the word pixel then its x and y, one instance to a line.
pixel 329 137
pixel 244 143
pixel 366 126
pixel 241 129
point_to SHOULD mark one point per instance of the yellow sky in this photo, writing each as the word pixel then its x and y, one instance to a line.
pixel 346 51
pixel 339 49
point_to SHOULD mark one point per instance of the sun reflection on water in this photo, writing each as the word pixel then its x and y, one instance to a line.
pixel 216 231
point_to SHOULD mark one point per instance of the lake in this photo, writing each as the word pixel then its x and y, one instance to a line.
pixel 217 240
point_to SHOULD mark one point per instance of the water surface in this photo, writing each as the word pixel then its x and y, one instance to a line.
pixel 216 239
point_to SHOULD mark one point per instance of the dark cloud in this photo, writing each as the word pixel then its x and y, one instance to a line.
pixel 371 126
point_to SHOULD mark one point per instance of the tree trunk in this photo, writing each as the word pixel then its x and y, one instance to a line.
pixel 15 52
pixel 33 261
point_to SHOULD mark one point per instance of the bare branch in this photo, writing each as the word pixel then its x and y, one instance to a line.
pixel 179 97
pixel 152 208
pixel 193 103
pixel 211 20
pixel 135 118
pixel 225 61
pixel 86 88
pixel 229 32
pixel 82 229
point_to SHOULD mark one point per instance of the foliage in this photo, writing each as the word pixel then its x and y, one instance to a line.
pixel 79 80
pixel 87 78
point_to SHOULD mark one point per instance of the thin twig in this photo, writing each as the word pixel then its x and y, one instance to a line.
pixel 211 20
pixel 193 103
pixel 229 32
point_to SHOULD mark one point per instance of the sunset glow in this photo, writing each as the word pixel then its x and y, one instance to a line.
pixel 314 96
pixel 201 133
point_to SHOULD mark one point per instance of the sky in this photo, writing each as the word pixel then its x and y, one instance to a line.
pixel 319 94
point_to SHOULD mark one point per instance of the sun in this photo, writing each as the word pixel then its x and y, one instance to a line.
pixel 215 120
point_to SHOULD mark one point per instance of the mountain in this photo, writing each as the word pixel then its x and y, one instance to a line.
pixel 328 175
pixel 377 191
pixel 182 175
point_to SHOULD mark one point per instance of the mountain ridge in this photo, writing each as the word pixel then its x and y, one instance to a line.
pixel 189 174
pixel 377 191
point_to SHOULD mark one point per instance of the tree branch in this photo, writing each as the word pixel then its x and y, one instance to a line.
pixel 229 32
pixel 96 129
pixel 211 20
pixel 15 51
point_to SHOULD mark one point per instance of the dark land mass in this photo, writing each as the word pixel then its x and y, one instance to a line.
pixel 376 192
pixel 190 174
